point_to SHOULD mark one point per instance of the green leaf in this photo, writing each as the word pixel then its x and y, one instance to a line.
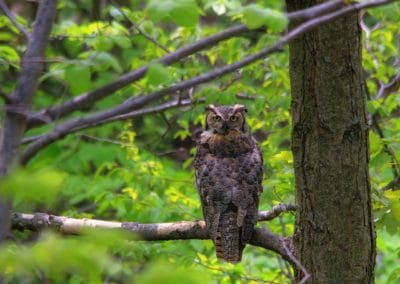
pixel 168 273
pixel 9 54
pixel 30 186
pixel 255 16
pixel 103 43
pixel 103 61
pixel 394 198
pixel 78 78
pixel 185 13
pixel 159 10
pixel 122 41
pixel 182 12
pixel 158 74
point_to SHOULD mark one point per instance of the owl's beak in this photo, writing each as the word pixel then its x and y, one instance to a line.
pixel 225 127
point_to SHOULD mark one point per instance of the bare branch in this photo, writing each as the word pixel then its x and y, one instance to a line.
pixel 297 264
pixel 128 78
pixel 391 87
pixel 91 97
pixel 13 20
pixel 145 111
pixel 275 211
pixel 183 230
pixel 316 10
pixel 126 116
pixel 137 102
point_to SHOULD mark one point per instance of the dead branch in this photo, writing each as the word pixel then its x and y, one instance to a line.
pixel 183 230
pixel 91 97
pixel 137 102
pixel 275 211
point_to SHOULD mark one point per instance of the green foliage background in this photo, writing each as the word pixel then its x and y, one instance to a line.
pixel 141 170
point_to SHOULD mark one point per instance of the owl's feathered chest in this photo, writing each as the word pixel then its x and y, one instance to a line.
pixel 231 144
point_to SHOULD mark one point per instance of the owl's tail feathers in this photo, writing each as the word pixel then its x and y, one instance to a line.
pixel 228 245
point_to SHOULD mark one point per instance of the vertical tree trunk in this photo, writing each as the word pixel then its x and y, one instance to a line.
pixel 334 235
pixel 15 114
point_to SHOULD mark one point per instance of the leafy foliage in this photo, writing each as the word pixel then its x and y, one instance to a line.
pixel 141 170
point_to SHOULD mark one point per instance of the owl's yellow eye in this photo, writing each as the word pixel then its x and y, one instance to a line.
pixel 217 118
pixel 234 118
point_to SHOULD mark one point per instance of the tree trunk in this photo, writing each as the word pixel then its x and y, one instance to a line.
pixel 334 235
pixel 16 110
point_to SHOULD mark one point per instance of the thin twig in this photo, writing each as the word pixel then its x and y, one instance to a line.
pixel 299 266
pixel 137 102
pixel 91 97
pixel 13 20
pixel 374 120
pixel 139 30
pixel 392 86
pixel 393 184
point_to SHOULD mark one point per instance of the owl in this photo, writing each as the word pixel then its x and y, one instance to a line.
pixel 229 169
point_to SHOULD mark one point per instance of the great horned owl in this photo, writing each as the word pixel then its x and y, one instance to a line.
pixel 229 172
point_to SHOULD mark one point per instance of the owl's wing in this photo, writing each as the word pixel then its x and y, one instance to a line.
pixel 247 199
pixel 203 185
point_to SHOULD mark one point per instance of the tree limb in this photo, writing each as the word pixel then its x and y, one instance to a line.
pixel 13 20
pixel 137 102
pixel 182 230
pixel 391 87
pixel 91 97
pixel 7 99
pixel 125 116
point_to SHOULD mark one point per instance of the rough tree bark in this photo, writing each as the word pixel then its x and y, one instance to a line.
pixel 334 234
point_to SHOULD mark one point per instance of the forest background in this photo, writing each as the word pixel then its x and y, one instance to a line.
pixel 137 165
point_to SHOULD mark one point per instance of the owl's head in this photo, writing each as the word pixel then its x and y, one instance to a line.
pixel 222 119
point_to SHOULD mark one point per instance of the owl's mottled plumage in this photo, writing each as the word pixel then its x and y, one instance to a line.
pixel 228 167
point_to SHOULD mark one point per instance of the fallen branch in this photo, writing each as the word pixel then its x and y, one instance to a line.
pixel 91 97
pixel 183 230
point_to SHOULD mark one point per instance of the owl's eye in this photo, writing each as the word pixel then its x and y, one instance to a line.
pixel 217 118
pixel 234 118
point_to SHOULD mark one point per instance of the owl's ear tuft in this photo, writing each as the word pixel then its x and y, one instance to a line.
pixel 210 108
pixel 239 108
